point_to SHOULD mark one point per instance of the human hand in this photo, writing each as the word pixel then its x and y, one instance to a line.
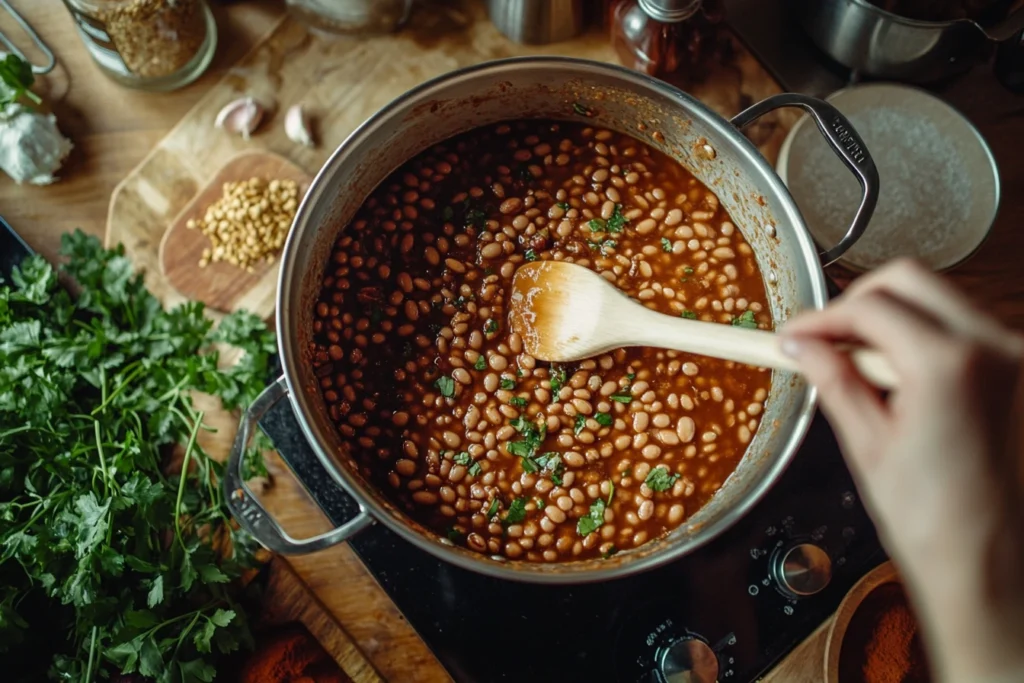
pixel 938 461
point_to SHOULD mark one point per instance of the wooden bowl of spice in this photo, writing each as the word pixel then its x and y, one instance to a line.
pixel 874 637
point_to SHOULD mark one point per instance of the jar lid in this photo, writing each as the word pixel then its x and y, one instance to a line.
pixel 939 184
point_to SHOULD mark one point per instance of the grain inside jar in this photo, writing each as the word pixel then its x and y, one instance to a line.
pixel 443 409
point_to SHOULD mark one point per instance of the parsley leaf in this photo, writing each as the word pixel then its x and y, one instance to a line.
pixel 617 220
pixel 516 511
pixel 660 479
pixel 593 521
pixel 446 385
pixel 746 320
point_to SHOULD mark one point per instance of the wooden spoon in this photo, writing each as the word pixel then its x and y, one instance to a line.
pixel 566 312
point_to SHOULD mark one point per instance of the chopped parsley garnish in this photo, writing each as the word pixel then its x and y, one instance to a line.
pixel 490 326
pixel 688 270
pixel 746 319
pixel 603 247
pixel 660 479
pixel 564 206
pixel 527 447
pixel 622 398
pixel 608 553
pixel 507 384
pixel 581 422
pixel 557 381
pixel 593 521
pixel 480 363
pixel 448 213
pixel 689 315
pixel 462 458
pixel 597 225
pixel 475 469
pixel 617 221
pixel 517 401
pixel 581 110
pixel 530 255
pixel 604 419
pixel 666 245
pixel 516 511
pixel 552 462
pixel 446 385
pixel 492 509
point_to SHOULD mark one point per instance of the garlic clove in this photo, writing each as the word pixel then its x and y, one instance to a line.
pixel 296 127
pixel 241 116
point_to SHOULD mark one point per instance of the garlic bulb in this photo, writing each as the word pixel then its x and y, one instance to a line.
pixel 296 127
pixel 241 116
pixel 31 146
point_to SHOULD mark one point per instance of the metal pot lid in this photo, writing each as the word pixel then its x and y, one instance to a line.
pixel 939 180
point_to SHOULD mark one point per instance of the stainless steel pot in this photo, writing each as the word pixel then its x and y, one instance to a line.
pixel 874 42
pixel 549 87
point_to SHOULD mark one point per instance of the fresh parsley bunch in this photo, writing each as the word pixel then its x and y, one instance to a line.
pixel 110 558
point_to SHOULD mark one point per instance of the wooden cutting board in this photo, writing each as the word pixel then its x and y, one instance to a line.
pixel 341 82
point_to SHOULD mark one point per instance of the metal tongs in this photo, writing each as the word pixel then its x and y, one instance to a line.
pixel 13 49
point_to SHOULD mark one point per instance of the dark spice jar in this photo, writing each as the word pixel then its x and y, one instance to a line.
pixel 676 40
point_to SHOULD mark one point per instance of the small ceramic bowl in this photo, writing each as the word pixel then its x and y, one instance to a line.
pixel 939 181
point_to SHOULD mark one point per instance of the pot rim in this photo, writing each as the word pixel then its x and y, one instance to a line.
pixel 541 573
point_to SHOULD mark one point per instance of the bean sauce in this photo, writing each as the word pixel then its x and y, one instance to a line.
pixel 442 408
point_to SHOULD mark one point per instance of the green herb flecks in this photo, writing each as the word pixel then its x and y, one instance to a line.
pixel 516 511
pixel 617 220
pixel 593 521
pixel 745 320
pixel 446 385
pixel 660 479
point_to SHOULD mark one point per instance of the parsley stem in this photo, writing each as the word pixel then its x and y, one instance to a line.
pixel 103 460
pixel 92 655
pixel 190 446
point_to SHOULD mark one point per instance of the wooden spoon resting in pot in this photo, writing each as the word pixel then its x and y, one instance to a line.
pixel 566 312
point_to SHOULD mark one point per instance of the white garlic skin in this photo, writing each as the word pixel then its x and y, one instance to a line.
pixel 296 126
pixel 241 116
pixel 31 146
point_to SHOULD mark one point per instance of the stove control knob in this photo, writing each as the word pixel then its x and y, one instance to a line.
pixel 688 660
pixel 802 570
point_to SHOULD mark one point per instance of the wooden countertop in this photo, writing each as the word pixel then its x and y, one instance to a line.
pixel 113 128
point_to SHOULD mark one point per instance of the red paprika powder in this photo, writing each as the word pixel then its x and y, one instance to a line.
pixel 882 643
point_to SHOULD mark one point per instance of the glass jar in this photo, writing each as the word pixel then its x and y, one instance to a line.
pixel 147 44
pixel 351 17
pixel 667 38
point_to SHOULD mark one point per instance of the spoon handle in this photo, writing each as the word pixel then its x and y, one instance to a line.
pixel 752 347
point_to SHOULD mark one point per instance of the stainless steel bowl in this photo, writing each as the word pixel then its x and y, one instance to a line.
pixel 554 88
pixel 874 42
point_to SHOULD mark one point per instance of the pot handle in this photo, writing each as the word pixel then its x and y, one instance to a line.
pixel 250 513
pixel 847 145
